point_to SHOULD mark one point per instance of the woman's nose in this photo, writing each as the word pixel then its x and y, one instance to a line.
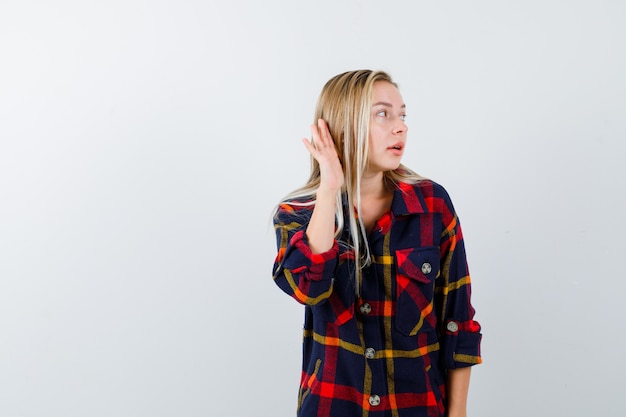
pixel 400 126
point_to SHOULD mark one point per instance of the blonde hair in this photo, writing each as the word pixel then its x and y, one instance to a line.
pixel 345 104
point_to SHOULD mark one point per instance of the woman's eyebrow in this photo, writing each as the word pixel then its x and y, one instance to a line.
pixel 384 103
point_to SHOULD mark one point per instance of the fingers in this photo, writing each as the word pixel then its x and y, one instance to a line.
pixel 321 137
pixel 324 134
pixel 322 149
pixel 309 146
pixel 314 144
pixel 321 146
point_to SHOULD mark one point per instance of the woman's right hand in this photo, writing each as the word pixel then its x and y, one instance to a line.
pixel 322 148
pixel 321 228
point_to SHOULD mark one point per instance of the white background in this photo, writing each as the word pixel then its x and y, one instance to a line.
pixel 143 145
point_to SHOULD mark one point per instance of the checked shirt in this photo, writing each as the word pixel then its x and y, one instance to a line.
pixel 385 352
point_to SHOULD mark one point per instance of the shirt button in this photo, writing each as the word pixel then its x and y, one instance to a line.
pixel 370 353
pixel 374 400
pixel 366 308
pixel 452 327
pixel 426 268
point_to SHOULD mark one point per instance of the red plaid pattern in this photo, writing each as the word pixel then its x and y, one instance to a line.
pixel 385 353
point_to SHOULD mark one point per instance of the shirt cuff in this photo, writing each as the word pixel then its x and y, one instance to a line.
pixel 314 266
pixel 461 344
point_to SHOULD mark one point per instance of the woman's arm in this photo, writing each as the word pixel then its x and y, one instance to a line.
pixel 457 388
pixel 320 231
pixel 307 249
pixel 460 333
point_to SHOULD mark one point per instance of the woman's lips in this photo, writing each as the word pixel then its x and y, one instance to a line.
pixel 396 149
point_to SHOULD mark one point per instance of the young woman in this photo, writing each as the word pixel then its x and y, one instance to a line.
pixel 375 253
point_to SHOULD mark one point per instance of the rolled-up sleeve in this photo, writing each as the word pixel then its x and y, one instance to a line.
pixel 460 333
pixel 304 275
pixel 461 344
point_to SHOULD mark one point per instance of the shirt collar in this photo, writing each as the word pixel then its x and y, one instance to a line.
pixel 407 200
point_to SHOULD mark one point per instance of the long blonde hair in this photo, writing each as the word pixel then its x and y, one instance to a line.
pixel 345 104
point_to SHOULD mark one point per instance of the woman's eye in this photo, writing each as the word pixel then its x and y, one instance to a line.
pixel 382 113
pixel 403 117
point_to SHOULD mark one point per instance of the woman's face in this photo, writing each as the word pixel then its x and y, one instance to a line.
pixel 388 131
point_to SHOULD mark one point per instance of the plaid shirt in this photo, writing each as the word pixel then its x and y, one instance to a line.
pixel 386 352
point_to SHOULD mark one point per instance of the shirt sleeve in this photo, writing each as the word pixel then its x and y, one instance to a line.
pixel 460 333
pixel 302 274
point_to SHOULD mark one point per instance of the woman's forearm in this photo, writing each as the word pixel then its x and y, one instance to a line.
pixel 457 388
pixel 320 231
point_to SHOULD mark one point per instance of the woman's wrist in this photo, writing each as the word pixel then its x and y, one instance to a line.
pixel 325 192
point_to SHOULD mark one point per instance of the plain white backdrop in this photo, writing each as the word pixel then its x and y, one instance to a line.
pixel 143 145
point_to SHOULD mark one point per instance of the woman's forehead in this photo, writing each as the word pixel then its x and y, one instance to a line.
pixel 385 93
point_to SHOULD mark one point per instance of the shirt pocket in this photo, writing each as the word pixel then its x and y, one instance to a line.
pixel 416 271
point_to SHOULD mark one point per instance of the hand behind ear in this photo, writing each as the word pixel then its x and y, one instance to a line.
pixel 322 148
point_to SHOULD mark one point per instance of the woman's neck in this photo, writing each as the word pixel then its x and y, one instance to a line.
pixel 375 200
pixel 373 186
